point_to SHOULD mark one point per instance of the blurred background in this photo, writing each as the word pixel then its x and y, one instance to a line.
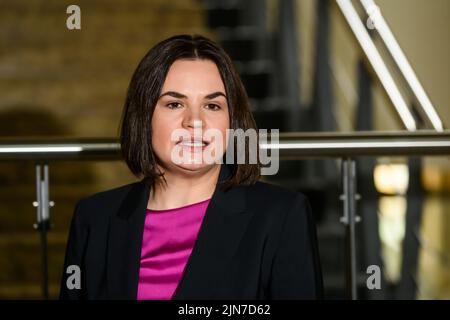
pixel 304 70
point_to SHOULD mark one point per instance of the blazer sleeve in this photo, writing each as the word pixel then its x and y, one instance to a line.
pixel 296 271
pixel 74 256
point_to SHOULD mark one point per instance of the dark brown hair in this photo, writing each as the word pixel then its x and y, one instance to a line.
pixel 144 91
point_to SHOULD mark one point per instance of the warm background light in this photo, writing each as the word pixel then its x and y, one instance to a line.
pixel 391 178
pixel 392 210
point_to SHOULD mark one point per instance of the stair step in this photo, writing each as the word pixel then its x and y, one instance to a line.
pixel 223 17
pixel 240 49
pixel 257 84
pixel 273 119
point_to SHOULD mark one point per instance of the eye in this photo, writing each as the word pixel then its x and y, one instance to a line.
pixel 213 107
pixel 173 105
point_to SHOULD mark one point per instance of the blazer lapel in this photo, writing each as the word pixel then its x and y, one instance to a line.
pixel 223 225
pixel 124 244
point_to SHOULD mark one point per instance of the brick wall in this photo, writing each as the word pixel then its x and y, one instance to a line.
pixel 58 82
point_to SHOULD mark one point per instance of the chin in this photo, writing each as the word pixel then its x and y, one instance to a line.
pixel 194 167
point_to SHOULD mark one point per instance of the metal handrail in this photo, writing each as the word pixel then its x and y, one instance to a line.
pixel 378 64
pixel 403 64
pixel 292 145
pixel 380 67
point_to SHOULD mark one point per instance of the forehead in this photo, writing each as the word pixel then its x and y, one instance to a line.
pixel 187 76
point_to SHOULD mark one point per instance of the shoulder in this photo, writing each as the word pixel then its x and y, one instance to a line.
pixel 272 193
pixel 279 212
pixel 275 203
pixel 103 203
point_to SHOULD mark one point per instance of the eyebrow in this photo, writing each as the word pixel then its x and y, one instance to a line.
pixel 182 96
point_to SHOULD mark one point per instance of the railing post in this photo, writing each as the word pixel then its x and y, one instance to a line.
pixel 42 224
pixel 349 219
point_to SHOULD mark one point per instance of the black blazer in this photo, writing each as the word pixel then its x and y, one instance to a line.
pixel 255 242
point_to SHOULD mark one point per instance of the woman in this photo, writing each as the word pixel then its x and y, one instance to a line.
pixel 190 229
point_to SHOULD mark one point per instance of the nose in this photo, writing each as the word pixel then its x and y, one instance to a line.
pixel 193 119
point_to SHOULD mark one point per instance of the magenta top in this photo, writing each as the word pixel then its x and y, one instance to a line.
pixel 168 239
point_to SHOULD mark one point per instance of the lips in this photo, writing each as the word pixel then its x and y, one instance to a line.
pixel 193 143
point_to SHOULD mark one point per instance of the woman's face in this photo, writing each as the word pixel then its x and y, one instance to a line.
pixel 192 100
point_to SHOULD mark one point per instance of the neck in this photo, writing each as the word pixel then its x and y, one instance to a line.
pixel 182 189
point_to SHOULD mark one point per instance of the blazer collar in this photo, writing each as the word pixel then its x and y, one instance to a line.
pixel 223 225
